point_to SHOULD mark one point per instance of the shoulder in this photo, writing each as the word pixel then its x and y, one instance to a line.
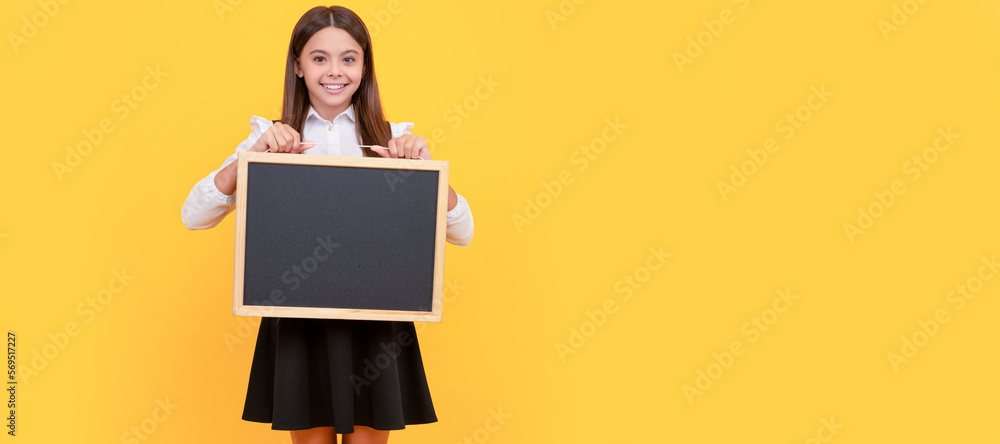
pixel 398 129
pixel 259 124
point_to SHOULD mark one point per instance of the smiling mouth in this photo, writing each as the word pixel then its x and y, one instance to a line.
pixel 334 87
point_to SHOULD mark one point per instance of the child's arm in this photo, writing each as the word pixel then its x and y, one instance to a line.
pixel 211 199
pixel 279 138
pixel 406 145
pixel 459 221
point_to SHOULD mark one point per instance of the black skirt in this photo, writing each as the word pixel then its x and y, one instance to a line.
pixel 335 372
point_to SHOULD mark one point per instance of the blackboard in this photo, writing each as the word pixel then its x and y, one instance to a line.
pixel 339 237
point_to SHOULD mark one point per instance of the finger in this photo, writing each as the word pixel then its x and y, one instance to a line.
pixel 272 145
pixel 422 149
pixel 295 142
pixel 393 149
pixel 306 144
pixel 408 144
pixel 260 144
pixel 418 145
pixel 290 135
pixel 279 139
pixel 400 144
pixel 381 150
pixel 292 138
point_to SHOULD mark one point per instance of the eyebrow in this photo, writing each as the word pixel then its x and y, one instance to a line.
pixel 326 53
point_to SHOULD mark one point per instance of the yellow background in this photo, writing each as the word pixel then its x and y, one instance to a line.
pixel 521 290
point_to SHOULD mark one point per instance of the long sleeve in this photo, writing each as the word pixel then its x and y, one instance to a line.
pixel 206 206
pixel 459 223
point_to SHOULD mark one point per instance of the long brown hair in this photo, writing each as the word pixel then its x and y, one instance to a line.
pixel 371 124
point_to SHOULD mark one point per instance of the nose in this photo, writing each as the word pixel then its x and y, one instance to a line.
pixel 334 70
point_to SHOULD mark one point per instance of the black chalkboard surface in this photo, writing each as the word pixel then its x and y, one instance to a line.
pixel 339 237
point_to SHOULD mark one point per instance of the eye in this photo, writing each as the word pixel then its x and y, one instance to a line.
pixel 320 59
pixel 348 59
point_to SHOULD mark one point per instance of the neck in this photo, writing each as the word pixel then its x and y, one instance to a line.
pixel 331 113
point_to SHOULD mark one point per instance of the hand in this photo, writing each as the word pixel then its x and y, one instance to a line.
pixel 406 146
pixel 281 138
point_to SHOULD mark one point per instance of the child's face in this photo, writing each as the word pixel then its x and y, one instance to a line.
pixel 331 66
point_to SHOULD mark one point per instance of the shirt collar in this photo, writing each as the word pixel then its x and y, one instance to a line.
pixel 349 112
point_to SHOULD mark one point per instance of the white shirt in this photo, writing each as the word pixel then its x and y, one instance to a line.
pixel 206 206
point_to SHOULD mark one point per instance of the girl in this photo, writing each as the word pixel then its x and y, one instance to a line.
pixel 318 377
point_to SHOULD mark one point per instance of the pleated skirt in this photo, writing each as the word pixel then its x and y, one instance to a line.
pixel 336 372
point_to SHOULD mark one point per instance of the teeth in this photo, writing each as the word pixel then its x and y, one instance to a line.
pixel 333 86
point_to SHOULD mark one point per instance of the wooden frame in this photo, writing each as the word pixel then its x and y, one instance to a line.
pixel 245 158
